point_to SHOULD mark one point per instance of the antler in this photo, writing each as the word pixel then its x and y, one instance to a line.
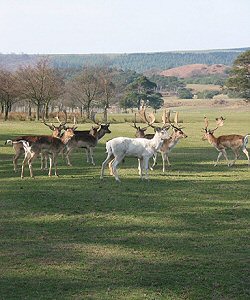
pixel 151 116
pixel 206 123
pixel 51 127
pixel 176 118
pixel 166 117
pixel 92 118
pixel 220 121
pixel 62 124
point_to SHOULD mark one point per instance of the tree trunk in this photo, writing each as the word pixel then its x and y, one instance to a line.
pixel 46 108
pixel 6 111
pixel 38 111
pixel 105 115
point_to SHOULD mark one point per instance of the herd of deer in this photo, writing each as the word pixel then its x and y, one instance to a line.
pixel 144 146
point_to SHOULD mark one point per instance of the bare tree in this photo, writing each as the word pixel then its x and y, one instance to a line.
pixel 40 84
pixel 8 91
pixel 107 91
pixel 84 88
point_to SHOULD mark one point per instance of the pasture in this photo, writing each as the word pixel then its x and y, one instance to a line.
pixel 181 235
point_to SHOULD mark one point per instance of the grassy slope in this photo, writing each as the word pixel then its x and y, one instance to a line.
pixel 182 235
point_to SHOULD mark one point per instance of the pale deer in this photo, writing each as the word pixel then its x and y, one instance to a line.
pixel 143 149
pixel 235 142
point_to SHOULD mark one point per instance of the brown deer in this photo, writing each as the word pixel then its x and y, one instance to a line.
pixel 87 141
pixel 51 146
pixel 235 142
pixel 19 149
pixel 170 143
pixel 168 146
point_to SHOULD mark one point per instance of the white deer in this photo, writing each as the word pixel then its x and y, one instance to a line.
pixel 141 148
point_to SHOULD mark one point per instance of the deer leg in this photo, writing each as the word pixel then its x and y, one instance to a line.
pixel 33 155
pixel 154 161
pixel 140 162
pixel 247 155
pixel 54 159
pixel 91 156
pixel 236 153
pixel 19 152
pixel 225 156
pixel 145 166
pixel 109 160
pixel 115 163
pixel 110 168
pixel 219 156
pixel 27 156
pixel 87 154
pixel 67 153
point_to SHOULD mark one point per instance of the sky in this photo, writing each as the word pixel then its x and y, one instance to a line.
pixel 122 26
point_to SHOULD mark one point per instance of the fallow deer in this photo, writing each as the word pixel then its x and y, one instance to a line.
pixel 19 149
pixel 170 143
pixel 34 145
pixel 142 148
pixel 223 142
pixel 87 141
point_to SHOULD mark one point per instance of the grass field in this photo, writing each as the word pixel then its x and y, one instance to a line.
pixel 181 235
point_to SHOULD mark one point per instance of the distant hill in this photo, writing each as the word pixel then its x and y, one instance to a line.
pixel 139 62
pixel 195 70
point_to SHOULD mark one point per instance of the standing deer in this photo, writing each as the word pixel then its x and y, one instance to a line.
pixel 143 149
pixel 170 143
pixel 231 141
pixel 87 141
pixel 19 148
pixel 51 146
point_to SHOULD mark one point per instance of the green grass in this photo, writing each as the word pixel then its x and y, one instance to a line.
pixel 181 235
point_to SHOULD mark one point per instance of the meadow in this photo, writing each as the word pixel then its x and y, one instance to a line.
pixel 181 235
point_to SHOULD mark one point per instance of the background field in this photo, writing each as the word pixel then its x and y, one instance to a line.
pixel 182 235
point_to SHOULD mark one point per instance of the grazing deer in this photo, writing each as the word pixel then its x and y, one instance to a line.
pixel 231 141
pixel 170 143
pixel 51 146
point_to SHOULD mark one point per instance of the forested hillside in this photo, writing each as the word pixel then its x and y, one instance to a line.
pixel 139 62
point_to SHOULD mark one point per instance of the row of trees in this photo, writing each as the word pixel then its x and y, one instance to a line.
pixel 43 87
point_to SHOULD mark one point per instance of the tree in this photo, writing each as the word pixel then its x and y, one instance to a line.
pixel 155 101
pixel 39 84
pixel 185 93
pixel 107 91
pixel 239 76
pixel 141 87
pixel 8 91
pixel 128 101
pixel 84 88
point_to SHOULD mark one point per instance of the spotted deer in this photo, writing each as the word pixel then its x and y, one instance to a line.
pixel 235 142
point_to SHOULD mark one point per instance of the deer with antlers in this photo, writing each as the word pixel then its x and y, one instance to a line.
pixel 19 148
pixel 141 148
pixel 169 144
pixel 50 146
pixel 87 140
pixel 234 142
